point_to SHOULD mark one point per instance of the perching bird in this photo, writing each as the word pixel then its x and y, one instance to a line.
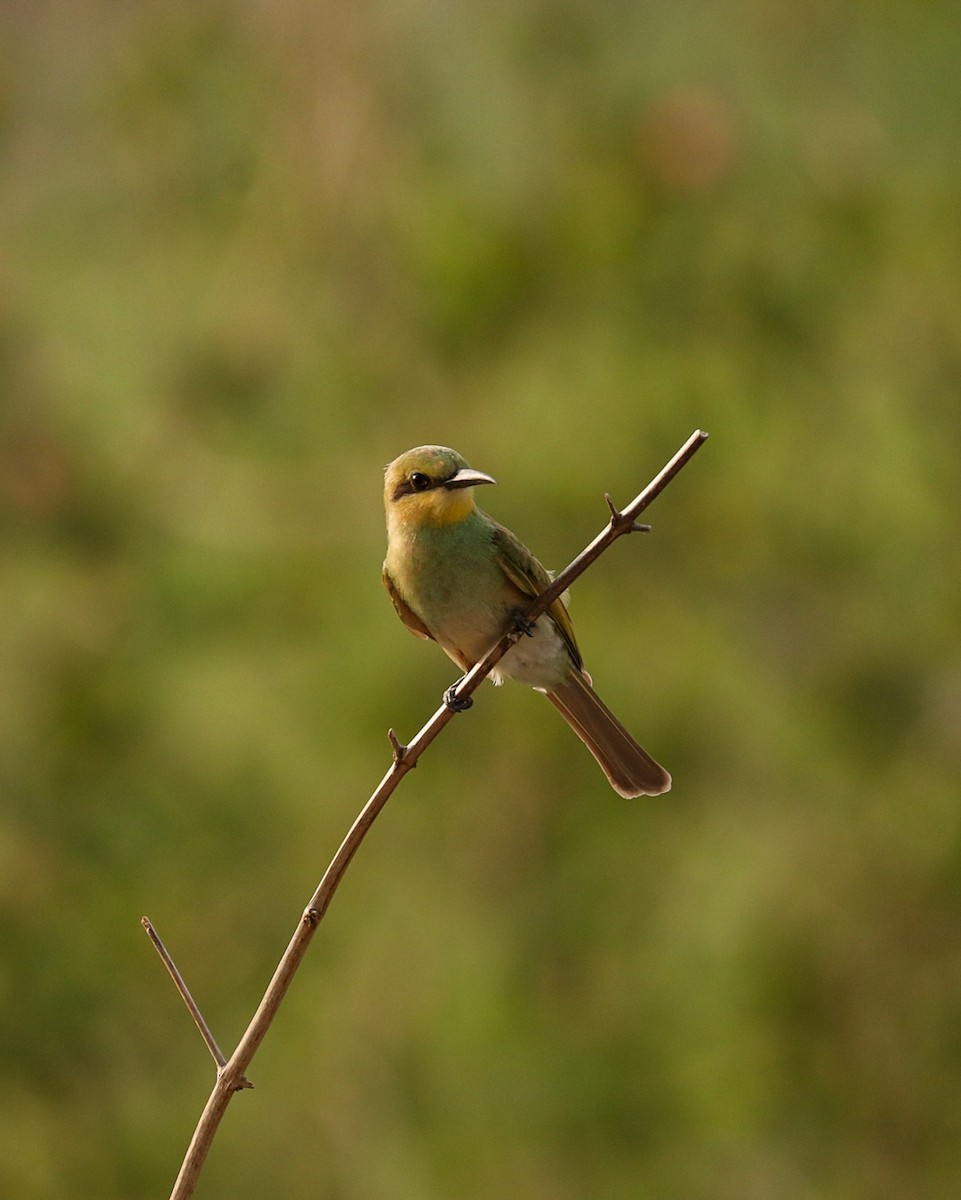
pixel 457 576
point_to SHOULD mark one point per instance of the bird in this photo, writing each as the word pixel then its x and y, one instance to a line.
pixel 458 577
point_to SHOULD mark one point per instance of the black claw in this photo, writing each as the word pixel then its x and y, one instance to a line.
pixel 522 626
pixel 454 702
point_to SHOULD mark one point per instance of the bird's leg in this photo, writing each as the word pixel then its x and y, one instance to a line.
pixel 454 702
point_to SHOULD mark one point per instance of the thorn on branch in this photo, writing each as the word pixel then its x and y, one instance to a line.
pixel 237 1086
pixel 619 519
pixel 397 747
pixel 234 1085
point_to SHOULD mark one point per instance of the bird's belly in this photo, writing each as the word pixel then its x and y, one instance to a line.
pixel 469 628
pixel 540 660
pixel 463 610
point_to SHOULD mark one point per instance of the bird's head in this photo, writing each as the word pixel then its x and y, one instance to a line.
pixel 430 485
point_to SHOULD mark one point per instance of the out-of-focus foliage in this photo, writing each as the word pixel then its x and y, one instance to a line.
pixel 253 251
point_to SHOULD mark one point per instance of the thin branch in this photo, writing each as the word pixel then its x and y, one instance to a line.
pixel 230 1076
pixel 215 1052
pixel 622 521
pixel 211 1042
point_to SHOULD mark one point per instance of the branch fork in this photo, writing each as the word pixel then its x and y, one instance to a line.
pixel 231 1072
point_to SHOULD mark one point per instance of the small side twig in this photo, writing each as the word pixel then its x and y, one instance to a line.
pixel 230 1075
pixel 211 1042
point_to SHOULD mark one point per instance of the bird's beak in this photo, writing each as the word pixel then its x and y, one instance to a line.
pixel 465 477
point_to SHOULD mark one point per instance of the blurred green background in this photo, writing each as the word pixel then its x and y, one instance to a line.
pixel 251 252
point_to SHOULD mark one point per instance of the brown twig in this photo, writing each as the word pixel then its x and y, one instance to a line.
pixel 215 1052
pixel 230 1074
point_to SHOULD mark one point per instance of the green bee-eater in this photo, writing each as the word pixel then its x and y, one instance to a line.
pixel 457 576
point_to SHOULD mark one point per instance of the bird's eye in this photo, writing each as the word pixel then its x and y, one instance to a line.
pixel 419 481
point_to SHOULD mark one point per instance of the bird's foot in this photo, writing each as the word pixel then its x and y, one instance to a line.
pixel 454 702
pixel 521 626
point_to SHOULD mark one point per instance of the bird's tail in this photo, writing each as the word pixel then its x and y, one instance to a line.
pixel 630 769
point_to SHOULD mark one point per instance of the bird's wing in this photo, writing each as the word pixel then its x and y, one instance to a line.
pixel 406 614
pixel 531 578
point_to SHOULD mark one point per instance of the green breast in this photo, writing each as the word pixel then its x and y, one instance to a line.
pixel 449 576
